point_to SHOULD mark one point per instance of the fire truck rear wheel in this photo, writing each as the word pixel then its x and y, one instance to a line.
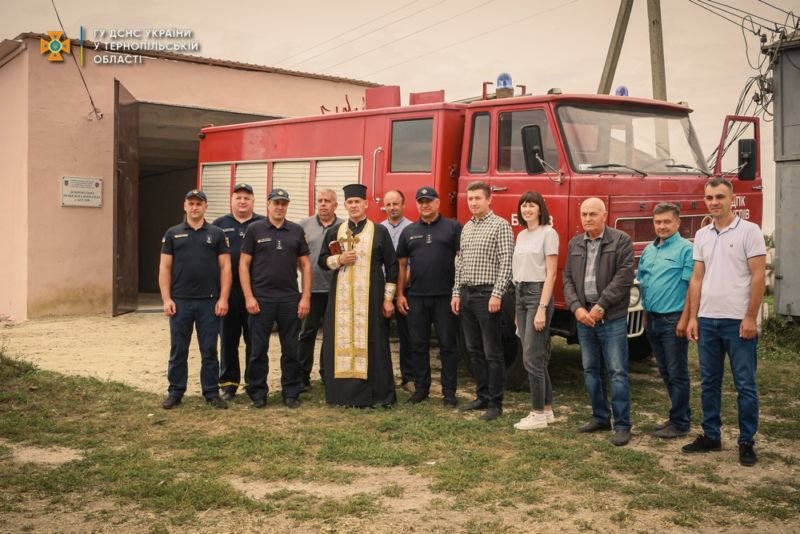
pixel 639 349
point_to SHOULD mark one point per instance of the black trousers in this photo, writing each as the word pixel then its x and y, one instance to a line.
pixel 233 326
pixel 483 337
pixel 308 336
pixel 422 312
pixel 285 314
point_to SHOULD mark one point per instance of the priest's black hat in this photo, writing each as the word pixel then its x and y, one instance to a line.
pixel 355 190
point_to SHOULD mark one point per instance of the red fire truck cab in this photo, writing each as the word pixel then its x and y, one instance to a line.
pixel 632 153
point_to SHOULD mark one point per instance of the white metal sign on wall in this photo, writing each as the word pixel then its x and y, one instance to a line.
pixel 81 192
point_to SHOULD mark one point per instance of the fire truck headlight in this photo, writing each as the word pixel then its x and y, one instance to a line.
pixel 636 296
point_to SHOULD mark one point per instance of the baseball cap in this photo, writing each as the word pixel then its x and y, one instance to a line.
pixel 427 193
pixel 243 187
pixel 196 193
pixel 278 194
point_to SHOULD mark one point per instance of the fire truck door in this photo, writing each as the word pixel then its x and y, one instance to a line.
pixel 374 164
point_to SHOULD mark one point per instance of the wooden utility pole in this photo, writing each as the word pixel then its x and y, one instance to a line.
pixel 615 47
pixel 657 50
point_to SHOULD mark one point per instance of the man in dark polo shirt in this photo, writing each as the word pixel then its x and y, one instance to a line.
pixel 234 324
pixel 430 246
pixel 272 251
pixel 194 276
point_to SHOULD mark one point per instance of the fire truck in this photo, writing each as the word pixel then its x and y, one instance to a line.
pixel 631 152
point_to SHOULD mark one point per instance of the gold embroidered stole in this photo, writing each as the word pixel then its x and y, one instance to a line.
pixel 351 317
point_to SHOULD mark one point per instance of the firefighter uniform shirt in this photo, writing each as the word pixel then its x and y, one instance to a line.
pixel 431 248
pixel 195 263
pixel 273 269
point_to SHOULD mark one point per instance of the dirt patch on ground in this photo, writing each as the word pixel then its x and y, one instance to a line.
pixel 50 456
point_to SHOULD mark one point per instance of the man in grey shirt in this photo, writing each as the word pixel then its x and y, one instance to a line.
pixel 315 227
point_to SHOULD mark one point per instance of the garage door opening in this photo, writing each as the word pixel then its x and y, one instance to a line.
pixel 166 153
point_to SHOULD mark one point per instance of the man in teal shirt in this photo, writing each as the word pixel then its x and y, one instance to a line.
pixel 665 269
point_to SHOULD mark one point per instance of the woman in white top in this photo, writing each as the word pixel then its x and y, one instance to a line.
pixel 534 273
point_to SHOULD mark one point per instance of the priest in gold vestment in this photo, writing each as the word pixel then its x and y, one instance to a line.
pixel 357 361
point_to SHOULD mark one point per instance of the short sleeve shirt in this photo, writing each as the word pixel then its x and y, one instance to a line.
pixel 431 248
pixel 725 292
pixel 665 269
pixel 273 269
pixel 529 263
pixel 234 231
pixel 195 262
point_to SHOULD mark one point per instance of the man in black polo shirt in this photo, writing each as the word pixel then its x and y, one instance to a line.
pixel 234 324
pixel 430 246
pixel 194 276
pixel 272 251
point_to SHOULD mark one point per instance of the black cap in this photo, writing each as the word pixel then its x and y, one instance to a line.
pixel 278 194
pixel 355 190
pixel 196 193
pixel 426 193
pixel 243 187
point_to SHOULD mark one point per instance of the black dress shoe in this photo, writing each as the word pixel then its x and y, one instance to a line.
pixel 450 401
pixel 291 402
pixel 702 444
pixel 217 403
pixel 170 402
pixel 594 426
pixel 259 404
pixel 747 456
pixel 477 404
pixel 417 397
pixel 228 395
pixel 305 387
pixel 491 413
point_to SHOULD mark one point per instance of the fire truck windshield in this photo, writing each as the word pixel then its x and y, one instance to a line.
pixel 636 140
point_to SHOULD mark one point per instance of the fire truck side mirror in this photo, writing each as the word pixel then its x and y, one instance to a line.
pixel 532 149
pixel 747 159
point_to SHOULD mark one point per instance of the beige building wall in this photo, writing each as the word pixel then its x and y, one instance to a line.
pixel 13 190
pixel 70 250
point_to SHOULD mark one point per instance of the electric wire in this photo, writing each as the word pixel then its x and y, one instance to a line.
pixel 354 28
pixel 97 113
pixel 472 38
pixel 327 51
pixel 753 15
pixel 406 36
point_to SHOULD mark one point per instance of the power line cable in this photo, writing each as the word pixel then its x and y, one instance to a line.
pixel 406 36
pixel 753 15
pixel 472 38
pixel 326 41
pixel 789 13
pixel 366 34
pixel 711 9
pixel 96 112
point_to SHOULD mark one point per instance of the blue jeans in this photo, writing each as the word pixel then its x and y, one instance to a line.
pixel 200 314
pixel 535 345
pixel 717 337
pixel 484 340
pixel 604 349
pixel 672 355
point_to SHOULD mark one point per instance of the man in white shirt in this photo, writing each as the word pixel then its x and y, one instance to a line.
pixel 725 296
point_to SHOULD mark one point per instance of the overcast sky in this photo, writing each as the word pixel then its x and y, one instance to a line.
pixel 456 44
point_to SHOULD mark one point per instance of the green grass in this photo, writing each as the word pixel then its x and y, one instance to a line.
pixel 178 465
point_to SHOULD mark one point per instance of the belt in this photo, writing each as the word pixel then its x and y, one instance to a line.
pixel 472 289
pixel 656 314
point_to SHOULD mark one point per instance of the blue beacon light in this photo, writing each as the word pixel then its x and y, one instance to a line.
pixel 504 81
pixel 621 90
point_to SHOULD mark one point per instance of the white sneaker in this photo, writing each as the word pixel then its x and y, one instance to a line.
pixel 551 417
pixel 532 422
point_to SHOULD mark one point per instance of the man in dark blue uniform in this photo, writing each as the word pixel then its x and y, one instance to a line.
pixel 429 246
pixel 234 324
pixel 194 276
pixel 272 251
